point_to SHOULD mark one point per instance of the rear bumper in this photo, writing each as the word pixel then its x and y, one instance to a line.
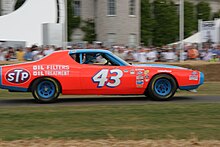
pixel 191 87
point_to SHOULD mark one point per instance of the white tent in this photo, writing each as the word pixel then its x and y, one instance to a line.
pixel 196 38
pixel 25 24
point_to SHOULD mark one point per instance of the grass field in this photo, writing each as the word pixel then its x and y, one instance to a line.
pixel 150 121
pixel 124 122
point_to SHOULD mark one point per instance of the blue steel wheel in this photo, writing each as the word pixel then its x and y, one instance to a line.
pixel 45 90
pixel 162 87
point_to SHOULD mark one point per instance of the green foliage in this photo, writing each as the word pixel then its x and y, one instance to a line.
pixel 190 21
pixel 73 21
pixel 203 11
pixel 216 15
pixel 89 29
pixel 18 4
pixel 147 22
pixel 166 26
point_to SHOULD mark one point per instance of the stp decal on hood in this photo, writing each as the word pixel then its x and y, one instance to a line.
pixel 17 76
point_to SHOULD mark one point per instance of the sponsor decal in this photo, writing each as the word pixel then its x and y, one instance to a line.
pixel 194 73
pixel 140 82
pixel 139 72
pixel 146 72
pixel 140 77
pixel 147 78
pixel 17 76
pixel 51 70
pixel 132 72
pixel 125 70
pixel 193 77
pixel 164 71
pixel 139 86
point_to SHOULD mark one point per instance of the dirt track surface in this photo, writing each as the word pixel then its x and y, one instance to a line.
pixel 108 100
pixel 109 143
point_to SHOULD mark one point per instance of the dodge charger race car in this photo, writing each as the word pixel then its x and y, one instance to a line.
pixel 95 72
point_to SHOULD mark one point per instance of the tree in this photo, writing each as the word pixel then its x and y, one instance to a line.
pixel 190 21
pixel 18 4
pixel 146 22
pixel 89 29
pixel 73 21
pixel 203 10
pixel 166 22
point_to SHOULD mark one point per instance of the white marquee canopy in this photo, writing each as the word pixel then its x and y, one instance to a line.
pixel 25 24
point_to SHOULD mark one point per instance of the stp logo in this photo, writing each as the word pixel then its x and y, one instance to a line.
pixel 17 76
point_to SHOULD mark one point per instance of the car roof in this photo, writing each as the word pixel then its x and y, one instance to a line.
pixel 89 51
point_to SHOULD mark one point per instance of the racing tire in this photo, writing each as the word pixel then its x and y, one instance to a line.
pixel 161 88
pixel 45 90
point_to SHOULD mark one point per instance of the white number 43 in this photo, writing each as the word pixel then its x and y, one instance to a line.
pixel 102 80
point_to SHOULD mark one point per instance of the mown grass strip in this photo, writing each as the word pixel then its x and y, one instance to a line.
pixel 150 121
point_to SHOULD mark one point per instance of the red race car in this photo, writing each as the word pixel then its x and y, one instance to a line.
pixel 95 72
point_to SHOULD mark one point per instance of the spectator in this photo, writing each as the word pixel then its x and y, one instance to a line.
pixel 28 55
pixel 20 54
pixel 207 55
pixel 120 52
pixel 169 55
pixel 192 53
pixel 151 55
pixel 35 51
pixel 10 55
pixel 2 55
pixel 48 50
pixel 217 52
pixel 38 55
pixel 129 57
pixel 142 57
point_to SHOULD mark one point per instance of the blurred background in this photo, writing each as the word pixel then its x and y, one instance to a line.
pixel 135 30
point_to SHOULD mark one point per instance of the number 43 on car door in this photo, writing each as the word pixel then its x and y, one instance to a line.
pixel 101 78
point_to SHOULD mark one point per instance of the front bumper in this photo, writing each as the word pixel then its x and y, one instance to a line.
pixel 191 87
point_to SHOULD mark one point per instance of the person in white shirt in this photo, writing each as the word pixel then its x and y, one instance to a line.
pixel 169 55
pixel 142 57
pixel 2 54
pixel 151 55
pixel 48 50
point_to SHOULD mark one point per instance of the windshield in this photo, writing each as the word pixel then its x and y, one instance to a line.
pixel 123 62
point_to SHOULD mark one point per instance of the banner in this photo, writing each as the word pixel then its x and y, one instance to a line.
pixel 208 31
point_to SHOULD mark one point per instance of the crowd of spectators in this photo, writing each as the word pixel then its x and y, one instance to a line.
pixel 26 54
pixel 171 53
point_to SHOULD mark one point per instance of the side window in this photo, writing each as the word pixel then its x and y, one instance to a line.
pixel 97 59
pixel 94 59
pixel 76 57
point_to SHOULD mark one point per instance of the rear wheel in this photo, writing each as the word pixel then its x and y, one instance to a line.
pixel 162 87
pixel 45 90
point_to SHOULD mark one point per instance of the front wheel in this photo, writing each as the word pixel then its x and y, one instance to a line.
pixel 162 87
pixel 45 90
